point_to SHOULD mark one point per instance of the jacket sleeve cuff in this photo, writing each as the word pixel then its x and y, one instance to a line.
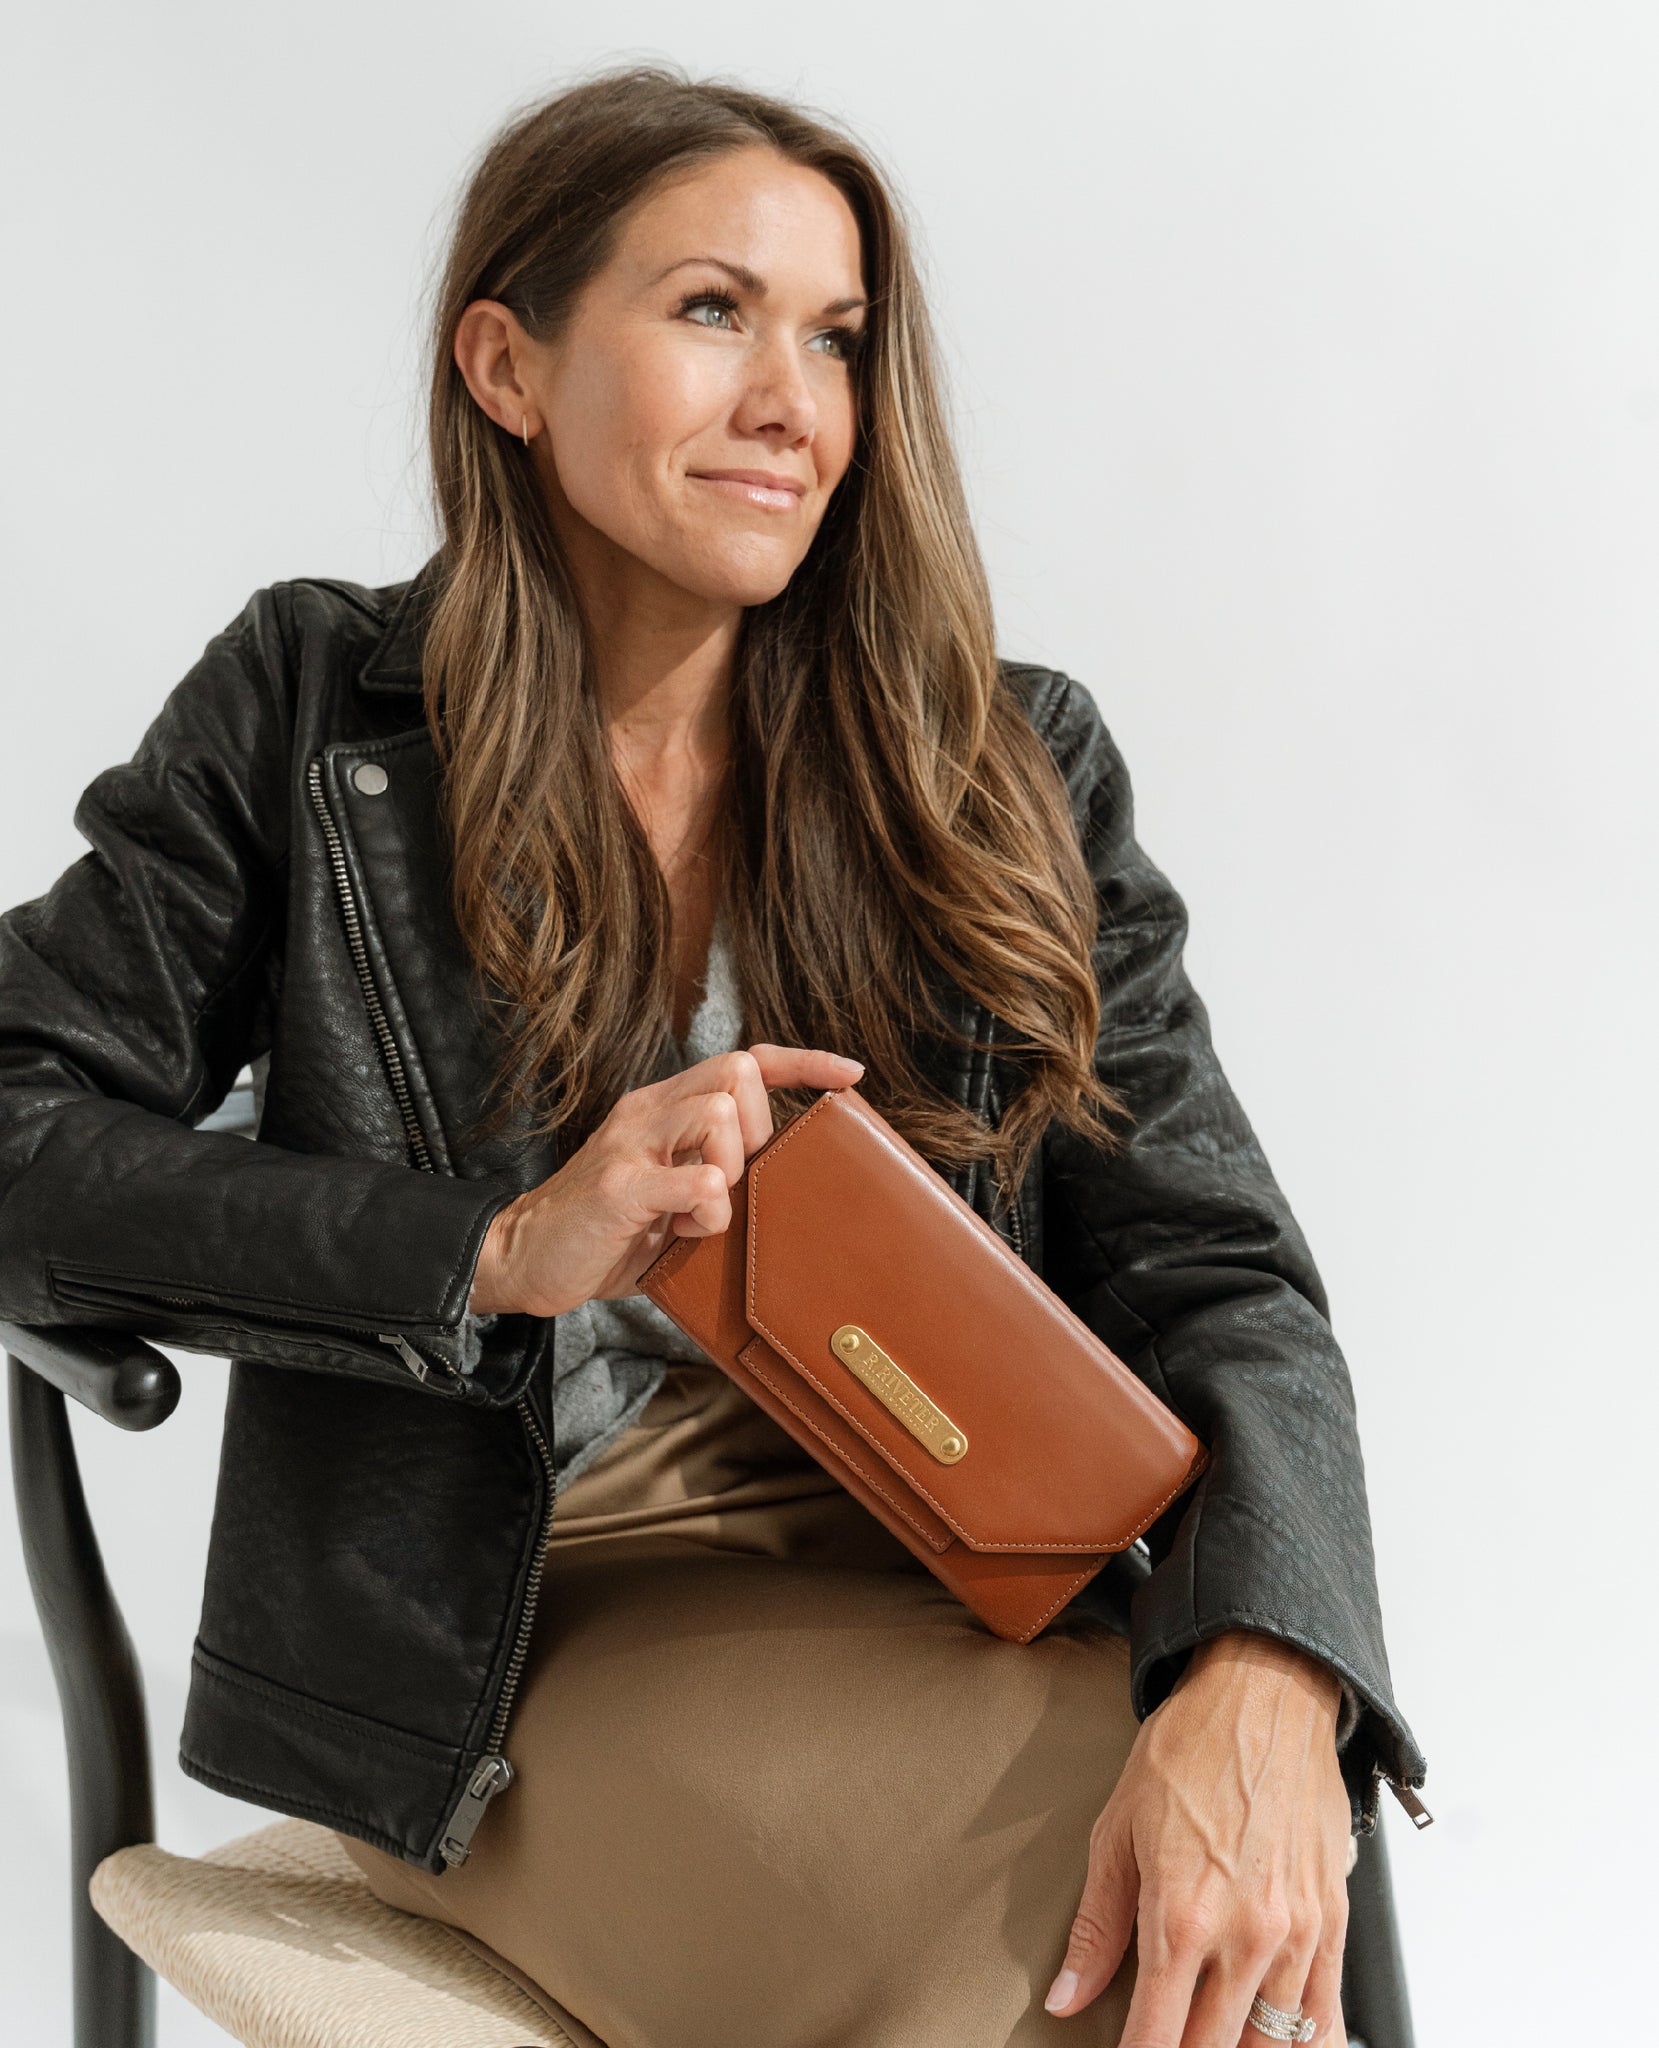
pixel 1371 1741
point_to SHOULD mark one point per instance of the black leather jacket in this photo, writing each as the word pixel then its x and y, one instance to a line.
pixel 266 886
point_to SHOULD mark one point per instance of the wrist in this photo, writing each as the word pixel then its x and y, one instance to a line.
pixel 491 1292
pixel 1251 1656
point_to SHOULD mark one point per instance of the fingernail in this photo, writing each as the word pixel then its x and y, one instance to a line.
pixel 1061 1992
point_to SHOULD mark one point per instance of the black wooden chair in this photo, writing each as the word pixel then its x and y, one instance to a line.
pixel 275 1936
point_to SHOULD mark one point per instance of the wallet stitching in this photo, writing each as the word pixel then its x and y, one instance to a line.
pixel 874 1485
pixel 1092 1543
pixel 1064 1597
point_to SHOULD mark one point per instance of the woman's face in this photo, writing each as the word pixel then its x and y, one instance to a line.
pixel 697 412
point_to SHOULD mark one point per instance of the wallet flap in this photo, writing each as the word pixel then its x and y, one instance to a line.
pixel 698 1282
pixel 871 1277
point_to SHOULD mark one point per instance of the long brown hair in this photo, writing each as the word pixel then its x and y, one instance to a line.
pixel 893 816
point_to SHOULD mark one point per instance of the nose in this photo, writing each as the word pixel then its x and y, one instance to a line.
pixel 778 399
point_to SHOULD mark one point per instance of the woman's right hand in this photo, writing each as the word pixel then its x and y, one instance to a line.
pixel 661 1165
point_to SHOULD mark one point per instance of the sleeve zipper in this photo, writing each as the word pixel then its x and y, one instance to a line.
pixel 113 1291
pixel 1419 1814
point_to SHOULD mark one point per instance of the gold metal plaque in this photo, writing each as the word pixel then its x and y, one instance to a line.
pixel 898 1393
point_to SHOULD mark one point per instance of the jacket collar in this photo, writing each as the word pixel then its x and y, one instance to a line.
pixel 395 664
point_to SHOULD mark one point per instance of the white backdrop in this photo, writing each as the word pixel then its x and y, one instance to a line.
pixel 1307 370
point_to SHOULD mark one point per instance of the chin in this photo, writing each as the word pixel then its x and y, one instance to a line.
pixel 745 576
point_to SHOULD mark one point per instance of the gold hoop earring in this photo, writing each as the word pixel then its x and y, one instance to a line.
pixel 524 427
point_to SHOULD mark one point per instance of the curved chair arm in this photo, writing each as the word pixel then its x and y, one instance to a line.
pixel 117 1376
pixel 120 1378
pixel 100 1690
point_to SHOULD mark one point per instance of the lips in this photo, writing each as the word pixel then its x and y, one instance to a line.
pixel 764 488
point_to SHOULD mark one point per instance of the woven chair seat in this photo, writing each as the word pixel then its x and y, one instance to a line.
pixel 278 1939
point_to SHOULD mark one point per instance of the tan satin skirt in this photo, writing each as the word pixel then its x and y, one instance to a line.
pixel 776 1787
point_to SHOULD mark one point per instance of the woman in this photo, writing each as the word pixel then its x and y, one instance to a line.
pixel 523 886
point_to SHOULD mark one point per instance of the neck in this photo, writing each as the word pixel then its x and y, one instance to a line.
pixel 662 655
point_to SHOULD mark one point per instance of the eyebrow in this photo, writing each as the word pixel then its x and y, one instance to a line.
pixel 752 282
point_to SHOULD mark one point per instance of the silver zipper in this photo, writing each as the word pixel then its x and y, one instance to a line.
pixel 1418 1812
pixel 492 1774
pixel 71 1287
pixel 532 1589
pixel 365 973
pixel 410 1356
pixel 389 1051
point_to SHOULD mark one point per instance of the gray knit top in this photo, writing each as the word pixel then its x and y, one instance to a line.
pixel 609 1357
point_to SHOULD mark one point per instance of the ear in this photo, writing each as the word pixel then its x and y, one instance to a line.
pixel 491 349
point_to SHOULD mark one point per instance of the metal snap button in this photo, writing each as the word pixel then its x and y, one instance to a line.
pixel 371 779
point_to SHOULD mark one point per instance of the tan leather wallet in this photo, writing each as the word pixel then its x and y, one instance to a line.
pixel 873 1315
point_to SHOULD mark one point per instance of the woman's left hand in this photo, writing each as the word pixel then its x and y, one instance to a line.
pixel 1226 1839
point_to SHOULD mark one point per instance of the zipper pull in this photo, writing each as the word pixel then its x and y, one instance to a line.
pixel 422 1368
pixel 410 1356
pixel 1420 1815
pixel 494 1774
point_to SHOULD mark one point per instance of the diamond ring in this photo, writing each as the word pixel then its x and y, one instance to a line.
pixel 1279 2025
